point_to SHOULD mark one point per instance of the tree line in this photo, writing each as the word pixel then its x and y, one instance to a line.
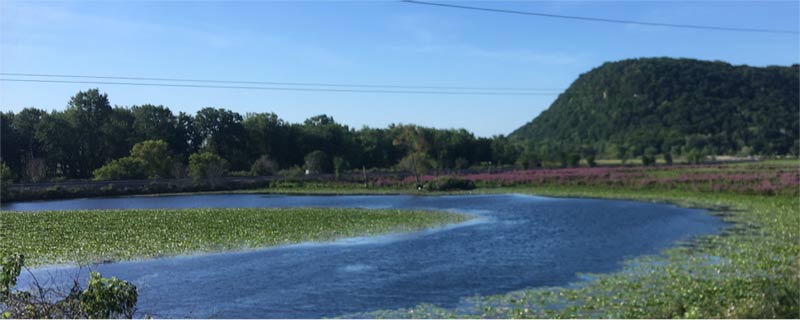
pixel 92 139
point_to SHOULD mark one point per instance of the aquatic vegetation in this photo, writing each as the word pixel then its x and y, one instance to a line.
pixel 88 236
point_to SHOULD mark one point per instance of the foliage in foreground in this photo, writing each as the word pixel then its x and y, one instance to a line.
pixel 87 236
pixel 749 271
pixel 103 298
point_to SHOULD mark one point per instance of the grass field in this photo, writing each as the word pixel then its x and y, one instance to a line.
pixel 89 236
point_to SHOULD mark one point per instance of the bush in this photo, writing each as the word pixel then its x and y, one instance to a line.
pixel 103 298
pixel 573 160
pixel 121 169
pixel 649 156
pixel 339 165
pixel 108 298
pixel 291 173
pixel 6 178
pixel 156 156
pixel 264 166
pixel 668 158
pixel 318 162
pixel 207 165
pixel 448 183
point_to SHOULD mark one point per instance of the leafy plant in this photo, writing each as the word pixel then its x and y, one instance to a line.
pixel 108 298
pixel 102 299
pixel 121 169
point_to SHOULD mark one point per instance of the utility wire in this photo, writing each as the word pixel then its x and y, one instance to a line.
pixel 277 83
pixel 644 23
pixel 490 93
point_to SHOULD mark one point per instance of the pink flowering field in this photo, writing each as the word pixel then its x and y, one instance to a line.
pixel 752 178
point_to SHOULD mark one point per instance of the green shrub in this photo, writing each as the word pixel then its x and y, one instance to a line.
pixel 207 165
pixel 318 162
pixel 291 173
pixel 120 169
pixel 6 176
pixel 649 156
pixel 108 298
pixel 156 157
pixel 447 183
pixel 263 166
pixel 103 298
pixel 339 166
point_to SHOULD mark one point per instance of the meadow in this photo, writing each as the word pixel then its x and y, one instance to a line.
pixel 90 236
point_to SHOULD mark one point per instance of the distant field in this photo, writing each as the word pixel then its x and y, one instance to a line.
pixel 88 236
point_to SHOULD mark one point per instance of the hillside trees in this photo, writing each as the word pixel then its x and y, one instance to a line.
pixel 664 103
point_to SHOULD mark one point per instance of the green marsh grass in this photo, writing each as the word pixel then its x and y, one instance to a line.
pixel 88 236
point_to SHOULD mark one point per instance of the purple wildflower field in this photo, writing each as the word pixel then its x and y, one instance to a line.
pixel 751 179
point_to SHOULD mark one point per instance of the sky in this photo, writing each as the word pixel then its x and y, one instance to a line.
pixel 361 42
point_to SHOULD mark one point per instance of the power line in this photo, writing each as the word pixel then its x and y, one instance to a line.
pixel 490 93
pixel 349 85
pixel 644 23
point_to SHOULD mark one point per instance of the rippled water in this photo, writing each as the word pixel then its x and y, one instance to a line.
pixel 517 242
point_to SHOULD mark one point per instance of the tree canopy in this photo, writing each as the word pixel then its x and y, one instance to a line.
pixel 674 105
pixel 93 139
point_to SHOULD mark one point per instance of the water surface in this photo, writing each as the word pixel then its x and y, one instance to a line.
pixel 517 242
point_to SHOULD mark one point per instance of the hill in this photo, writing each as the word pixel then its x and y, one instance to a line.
pixel 674 105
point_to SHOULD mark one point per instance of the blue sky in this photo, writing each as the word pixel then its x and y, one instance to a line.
pixel 384 42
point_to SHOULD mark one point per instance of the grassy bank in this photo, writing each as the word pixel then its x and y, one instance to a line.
pixel 88 236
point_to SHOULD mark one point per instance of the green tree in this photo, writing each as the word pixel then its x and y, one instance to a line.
pixel 263 166
pixel 59 145
pixel 156 156
pixel 573 159
pixel 6 179
pixel 589 153
pixel 418 164
pixel 26 123
pixel 668 158
pixel 416 160
pixel 11 149
pixel 268 134
pixel 339 165
pixel 88 112
pixel 317 162
pixel 649 156
pixel 222 133
pixel 529 159
pixel 207 166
